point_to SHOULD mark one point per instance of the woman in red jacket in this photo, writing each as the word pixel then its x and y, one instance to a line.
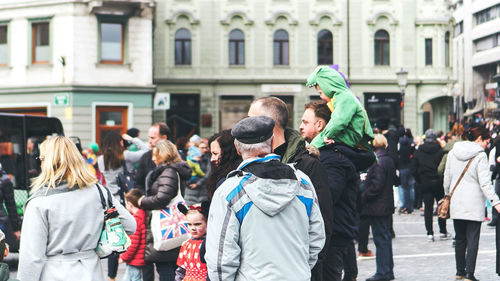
pixel 134 256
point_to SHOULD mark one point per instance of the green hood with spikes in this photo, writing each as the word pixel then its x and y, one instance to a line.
pixel 328 79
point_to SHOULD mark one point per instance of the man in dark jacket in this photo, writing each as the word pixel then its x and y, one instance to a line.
pixel 7 197
pixel 157 132
pixel 424 168
pixel 291 147
pixel 343 181
pixel 378 207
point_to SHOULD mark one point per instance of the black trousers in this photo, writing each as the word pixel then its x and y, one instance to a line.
pixel 334 261
pixel 364 232
pixel 148 272
pixel 494 213
pixel 113 265
pixel 429 196
pixel 467 243
pixel 350 264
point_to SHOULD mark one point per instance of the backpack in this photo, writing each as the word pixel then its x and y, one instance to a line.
pixel 125 181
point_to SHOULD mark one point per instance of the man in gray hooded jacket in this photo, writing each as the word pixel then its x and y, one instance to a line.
pixel 264 222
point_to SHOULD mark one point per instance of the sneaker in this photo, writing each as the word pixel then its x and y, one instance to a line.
pixel 444 236
pixel 430 238
pixel 367 254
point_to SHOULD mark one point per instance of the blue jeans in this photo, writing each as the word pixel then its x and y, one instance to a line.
pixel 406 190
pixel 166 270
pixel 133 273
pixel 381 230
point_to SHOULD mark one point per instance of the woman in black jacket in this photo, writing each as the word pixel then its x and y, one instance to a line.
pixel 378 207
pixel 162 185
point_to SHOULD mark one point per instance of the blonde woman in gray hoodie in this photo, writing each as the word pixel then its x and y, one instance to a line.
pixel 467 201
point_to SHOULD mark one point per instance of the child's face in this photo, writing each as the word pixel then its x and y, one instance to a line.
pixel 322 95
pixel 197 224
pixel 129 206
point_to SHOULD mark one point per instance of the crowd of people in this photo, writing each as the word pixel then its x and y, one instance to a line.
pixel 263 201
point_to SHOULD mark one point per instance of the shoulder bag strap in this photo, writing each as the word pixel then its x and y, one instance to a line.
pixel 103 201
pixel 124 166
pixel 461 176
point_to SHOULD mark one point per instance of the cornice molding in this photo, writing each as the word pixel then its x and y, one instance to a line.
pixel 234 13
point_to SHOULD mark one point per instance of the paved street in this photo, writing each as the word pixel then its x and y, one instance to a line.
pixel 415 259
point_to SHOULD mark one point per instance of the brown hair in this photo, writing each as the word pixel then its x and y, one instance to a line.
pixel 133 197
pixel 163 129
pixel 112 151
pixel 473 133
pixel 320 109
pixel 275 108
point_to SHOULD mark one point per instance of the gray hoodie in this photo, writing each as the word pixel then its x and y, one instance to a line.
pixel 264 229
pixel 468 201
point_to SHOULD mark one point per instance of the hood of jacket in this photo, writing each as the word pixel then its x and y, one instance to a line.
pixel 183 169
pixel 271 196
pixel 430 147
pixel 295 144
pixel 404 140
pixel 449 145
pixel 328 79
pixel 465 150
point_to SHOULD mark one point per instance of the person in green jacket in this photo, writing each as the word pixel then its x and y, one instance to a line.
pixel 349 122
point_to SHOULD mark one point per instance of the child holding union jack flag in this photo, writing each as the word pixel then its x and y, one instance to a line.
pixel 191 260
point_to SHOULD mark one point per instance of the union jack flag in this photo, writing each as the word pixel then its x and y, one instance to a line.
pixel 172 223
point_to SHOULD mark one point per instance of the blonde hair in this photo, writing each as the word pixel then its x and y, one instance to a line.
pixel 62 161
pixel 166 152
pixel 379 141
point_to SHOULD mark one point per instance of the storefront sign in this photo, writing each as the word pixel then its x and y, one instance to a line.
pixel 281 88
pixel 61 99
pixel 162 101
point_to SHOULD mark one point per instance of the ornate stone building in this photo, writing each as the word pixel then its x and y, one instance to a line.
pixel 213 57
pixel 89 63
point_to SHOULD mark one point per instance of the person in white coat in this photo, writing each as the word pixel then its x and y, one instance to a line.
pixel 467 201
pixel 64 218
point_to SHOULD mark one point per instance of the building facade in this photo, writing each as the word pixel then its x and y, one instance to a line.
pixel 89 63
pixel 476 60
pixel 213 57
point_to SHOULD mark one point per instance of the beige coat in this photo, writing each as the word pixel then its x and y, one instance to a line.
pixel 60 233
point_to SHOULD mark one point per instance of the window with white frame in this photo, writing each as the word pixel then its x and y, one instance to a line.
pixel 280 46
pixel 4 47
pixel 40 42
pixel 236 47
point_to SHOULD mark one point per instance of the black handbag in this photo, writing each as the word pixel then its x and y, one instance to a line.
pixel 125 181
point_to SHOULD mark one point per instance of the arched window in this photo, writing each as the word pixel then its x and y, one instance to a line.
pixel 280 47
pixel 236 47
pixel 182 46
pixel 447 48
pixel 382 51
pixel 325 47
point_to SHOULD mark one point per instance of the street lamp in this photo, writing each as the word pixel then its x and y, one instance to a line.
pixel 402 82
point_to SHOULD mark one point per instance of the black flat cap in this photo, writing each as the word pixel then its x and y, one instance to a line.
pixel 254 129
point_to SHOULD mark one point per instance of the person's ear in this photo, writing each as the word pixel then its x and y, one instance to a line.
pixel 237 150
pixel 320 125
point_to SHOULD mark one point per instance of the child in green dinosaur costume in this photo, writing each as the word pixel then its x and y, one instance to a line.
pixel 349 124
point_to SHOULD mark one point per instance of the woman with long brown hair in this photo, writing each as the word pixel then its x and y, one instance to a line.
pixel 113 160
pixel 114 157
